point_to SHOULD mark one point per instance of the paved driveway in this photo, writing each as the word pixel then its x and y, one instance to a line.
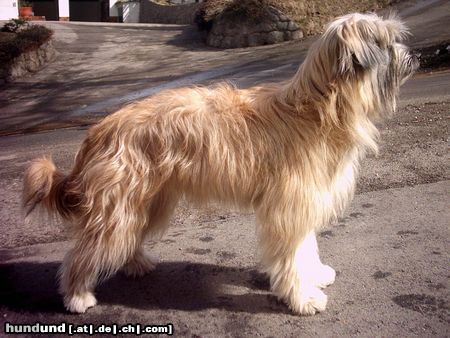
pixel 100 62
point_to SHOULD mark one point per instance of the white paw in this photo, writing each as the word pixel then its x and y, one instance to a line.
pixel 79 303
pixel 324 276
pixel 140 265
pixel 312 300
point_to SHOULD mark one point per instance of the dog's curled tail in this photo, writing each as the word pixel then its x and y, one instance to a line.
pixel 44 186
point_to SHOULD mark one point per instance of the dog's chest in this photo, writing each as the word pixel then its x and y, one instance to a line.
pixel 343 182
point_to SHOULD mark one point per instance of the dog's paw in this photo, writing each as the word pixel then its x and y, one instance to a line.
pixel 324 277
pixel 140 265
pixel 79 303
pixel 312 300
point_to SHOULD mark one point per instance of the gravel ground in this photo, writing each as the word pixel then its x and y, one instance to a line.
pixel 413 149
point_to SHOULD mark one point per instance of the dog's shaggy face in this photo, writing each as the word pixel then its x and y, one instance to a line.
pixel 365 52
pixel 289 151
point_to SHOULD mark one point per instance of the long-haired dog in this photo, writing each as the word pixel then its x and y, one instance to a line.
pixel 290 152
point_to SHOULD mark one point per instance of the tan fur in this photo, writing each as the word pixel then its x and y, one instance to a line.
pixel 288 151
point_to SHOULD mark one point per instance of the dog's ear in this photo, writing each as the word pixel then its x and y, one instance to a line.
pixel 361 42
pixel 358 46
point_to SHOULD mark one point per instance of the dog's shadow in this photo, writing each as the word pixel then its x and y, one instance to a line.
pixel 32 287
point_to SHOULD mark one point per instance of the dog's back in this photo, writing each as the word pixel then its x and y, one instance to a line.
pixel 199 140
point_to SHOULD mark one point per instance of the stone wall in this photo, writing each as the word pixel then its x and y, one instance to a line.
pixel 177 14
pixel 30 62
pixel 272 27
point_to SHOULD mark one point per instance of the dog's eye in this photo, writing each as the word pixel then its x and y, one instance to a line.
pixel 355 60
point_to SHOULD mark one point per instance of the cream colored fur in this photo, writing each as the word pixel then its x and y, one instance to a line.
pixel 289 151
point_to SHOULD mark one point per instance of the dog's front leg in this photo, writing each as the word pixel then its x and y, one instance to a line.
pixel 310 266
pixel 291 260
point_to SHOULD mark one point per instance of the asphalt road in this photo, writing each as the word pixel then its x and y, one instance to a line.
pixel 391 248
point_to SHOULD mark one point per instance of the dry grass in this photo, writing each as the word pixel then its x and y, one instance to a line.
pixel 311 15
pixel 162 2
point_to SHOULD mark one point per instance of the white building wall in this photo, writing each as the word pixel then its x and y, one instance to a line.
pixel 9 9
pixel 63 8
pixel 113 10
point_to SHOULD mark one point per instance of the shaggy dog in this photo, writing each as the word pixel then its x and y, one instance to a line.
pixel 289 151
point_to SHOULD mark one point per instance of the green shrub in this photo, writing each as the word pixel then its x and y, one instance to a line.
pixel 24 3
pixel 29 38
pixel 34 36
pixel 13 25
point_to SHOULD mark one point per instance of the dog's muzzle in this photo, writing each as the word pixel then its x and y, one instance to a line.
pixel 414 62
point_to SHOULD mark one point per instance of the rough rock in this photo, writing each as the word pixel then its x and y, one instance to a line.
pixel 30 62
pixel 233 32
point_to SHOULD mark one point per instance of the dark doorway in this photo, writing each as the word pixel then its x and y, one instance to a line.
pixel 47 8
pixel 104 4
pixel 85 10
pixel 89 10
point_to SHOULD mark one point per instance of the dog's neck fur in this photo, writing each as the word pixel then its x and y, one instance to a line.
pixel 341 111
pixel 338 126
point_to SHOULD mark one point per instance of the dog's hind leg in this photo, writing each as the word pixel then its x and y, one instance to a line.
pixel 140 263
pixel 161 208
pixel 91 259
pixel 103 245
pixel 78 275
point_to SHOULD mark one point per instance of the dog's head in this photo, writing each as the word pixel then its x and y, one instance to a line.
pixel 363 51
pixel 368 43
